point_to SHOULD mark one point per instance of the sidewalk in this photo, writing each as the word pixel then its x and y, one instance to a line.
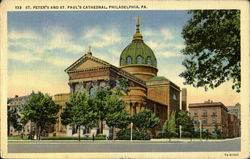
pixel 195 140
pixel 124 141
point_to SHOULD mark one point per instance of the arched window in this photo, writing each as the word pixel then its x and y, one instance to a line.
pixel 149 60
pixel 139 60
pixel 121 62
pixel 155 63
pixel 129 60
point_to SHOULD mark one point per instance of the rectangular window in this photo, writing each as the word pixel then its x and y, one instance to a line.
pixel 204 120
pixel 214 121
pixel 205 130
pixel 204 113
pixel 195 121
pixel 195 113
pixel 214 112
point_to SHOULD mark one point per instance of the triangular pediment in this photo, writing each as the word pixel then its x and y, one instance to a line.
pixel 87 62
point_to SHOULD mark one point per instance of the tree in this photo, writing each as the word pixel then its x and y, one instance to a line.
pixel 217 131
pixel 187 124
pixel 117 116
pixel 100 99
pixel 122 86
pixel 169 127
pixel 212 39
pixel 110 107
pixel 80 111
pixel 145 120
pixel 41 110
pixel 13 119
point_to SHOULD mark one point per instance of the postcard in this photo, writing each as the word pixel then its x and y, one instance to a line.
pixel 124 80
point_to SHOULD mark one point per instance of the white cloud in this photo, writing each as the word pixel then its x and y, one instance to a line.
pixel 89 33
pixel 25 57
pixel 27 34
pixel 168 35
pixel 179 46
pixel 59 61
pixel 159 34
pixel 107 39
pixel 114 60
pixel 38 47
pixel 148 33
pixel 157 45
pixel 168 54
pixel 100 38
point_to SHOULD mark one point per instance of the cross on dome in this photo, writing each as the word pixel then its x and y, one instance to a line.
pixel 89 48
pixel 137 35
pixel 89 51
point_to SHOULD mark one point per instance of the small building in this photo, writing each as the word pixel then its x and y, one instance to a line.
pixel 212 115
pixel 16 102
pixel 233 126
pixel 235 110
pixel 216 116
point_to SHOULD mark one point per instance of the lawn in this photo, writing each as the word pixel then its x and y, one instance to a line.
pixel 17 138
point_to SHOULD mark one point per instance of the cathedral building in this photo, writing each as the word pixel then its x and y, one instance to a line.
pixel 138 65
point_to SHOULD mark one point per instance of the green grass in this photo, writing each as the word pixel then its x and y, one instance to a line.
pixel 190 139
pixel 71 138
pixel 56 138
pixel 17 138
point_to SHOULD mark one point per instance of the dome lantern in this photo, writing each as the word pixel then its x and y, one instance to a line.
pixel 137 35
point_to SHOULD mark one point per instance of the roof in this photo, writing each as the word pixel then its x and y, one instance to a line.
pixel 138 48
pixel 83 59
pixel 207 104
pixel 107 65
pixel 157 78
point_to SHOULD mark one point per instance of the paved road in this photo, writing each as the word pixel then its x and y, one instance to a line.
pixel 122 146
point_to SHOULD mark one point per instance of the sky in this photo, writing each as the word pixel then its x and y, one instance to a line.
pixel 42 44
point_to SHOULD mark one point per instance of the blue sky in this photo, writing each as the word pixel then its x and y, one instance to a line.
pixel 42 44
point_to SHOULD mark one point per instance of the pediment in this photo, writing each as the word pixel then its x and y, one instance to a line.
pixel 87 62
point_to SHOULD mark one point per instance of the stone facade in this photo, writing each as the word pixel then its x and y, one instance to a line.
pixel 164 91
pixel 105 74
pixel 138 65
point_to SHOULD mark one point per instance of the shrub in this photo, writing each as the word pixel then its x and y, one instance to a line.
pixel 72 138
pixel 100 136
pixel 125 135
pixel 161 135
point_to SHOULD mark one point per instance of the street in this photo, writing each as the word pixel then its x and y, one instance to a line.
pixel 121 146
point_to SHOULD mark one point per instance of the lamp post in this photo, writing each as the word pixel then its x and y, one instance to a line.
pixel 180 130
pixel 131 131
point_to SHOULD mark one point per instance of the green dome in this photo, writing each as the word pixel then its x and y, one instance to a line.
pixel 137 52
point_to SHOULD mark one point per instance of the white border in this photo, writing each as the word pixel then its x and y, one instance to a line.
pixel 152 5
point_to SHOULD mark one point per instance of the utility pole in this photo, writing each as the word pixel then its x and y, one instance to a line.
pixel 131 132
